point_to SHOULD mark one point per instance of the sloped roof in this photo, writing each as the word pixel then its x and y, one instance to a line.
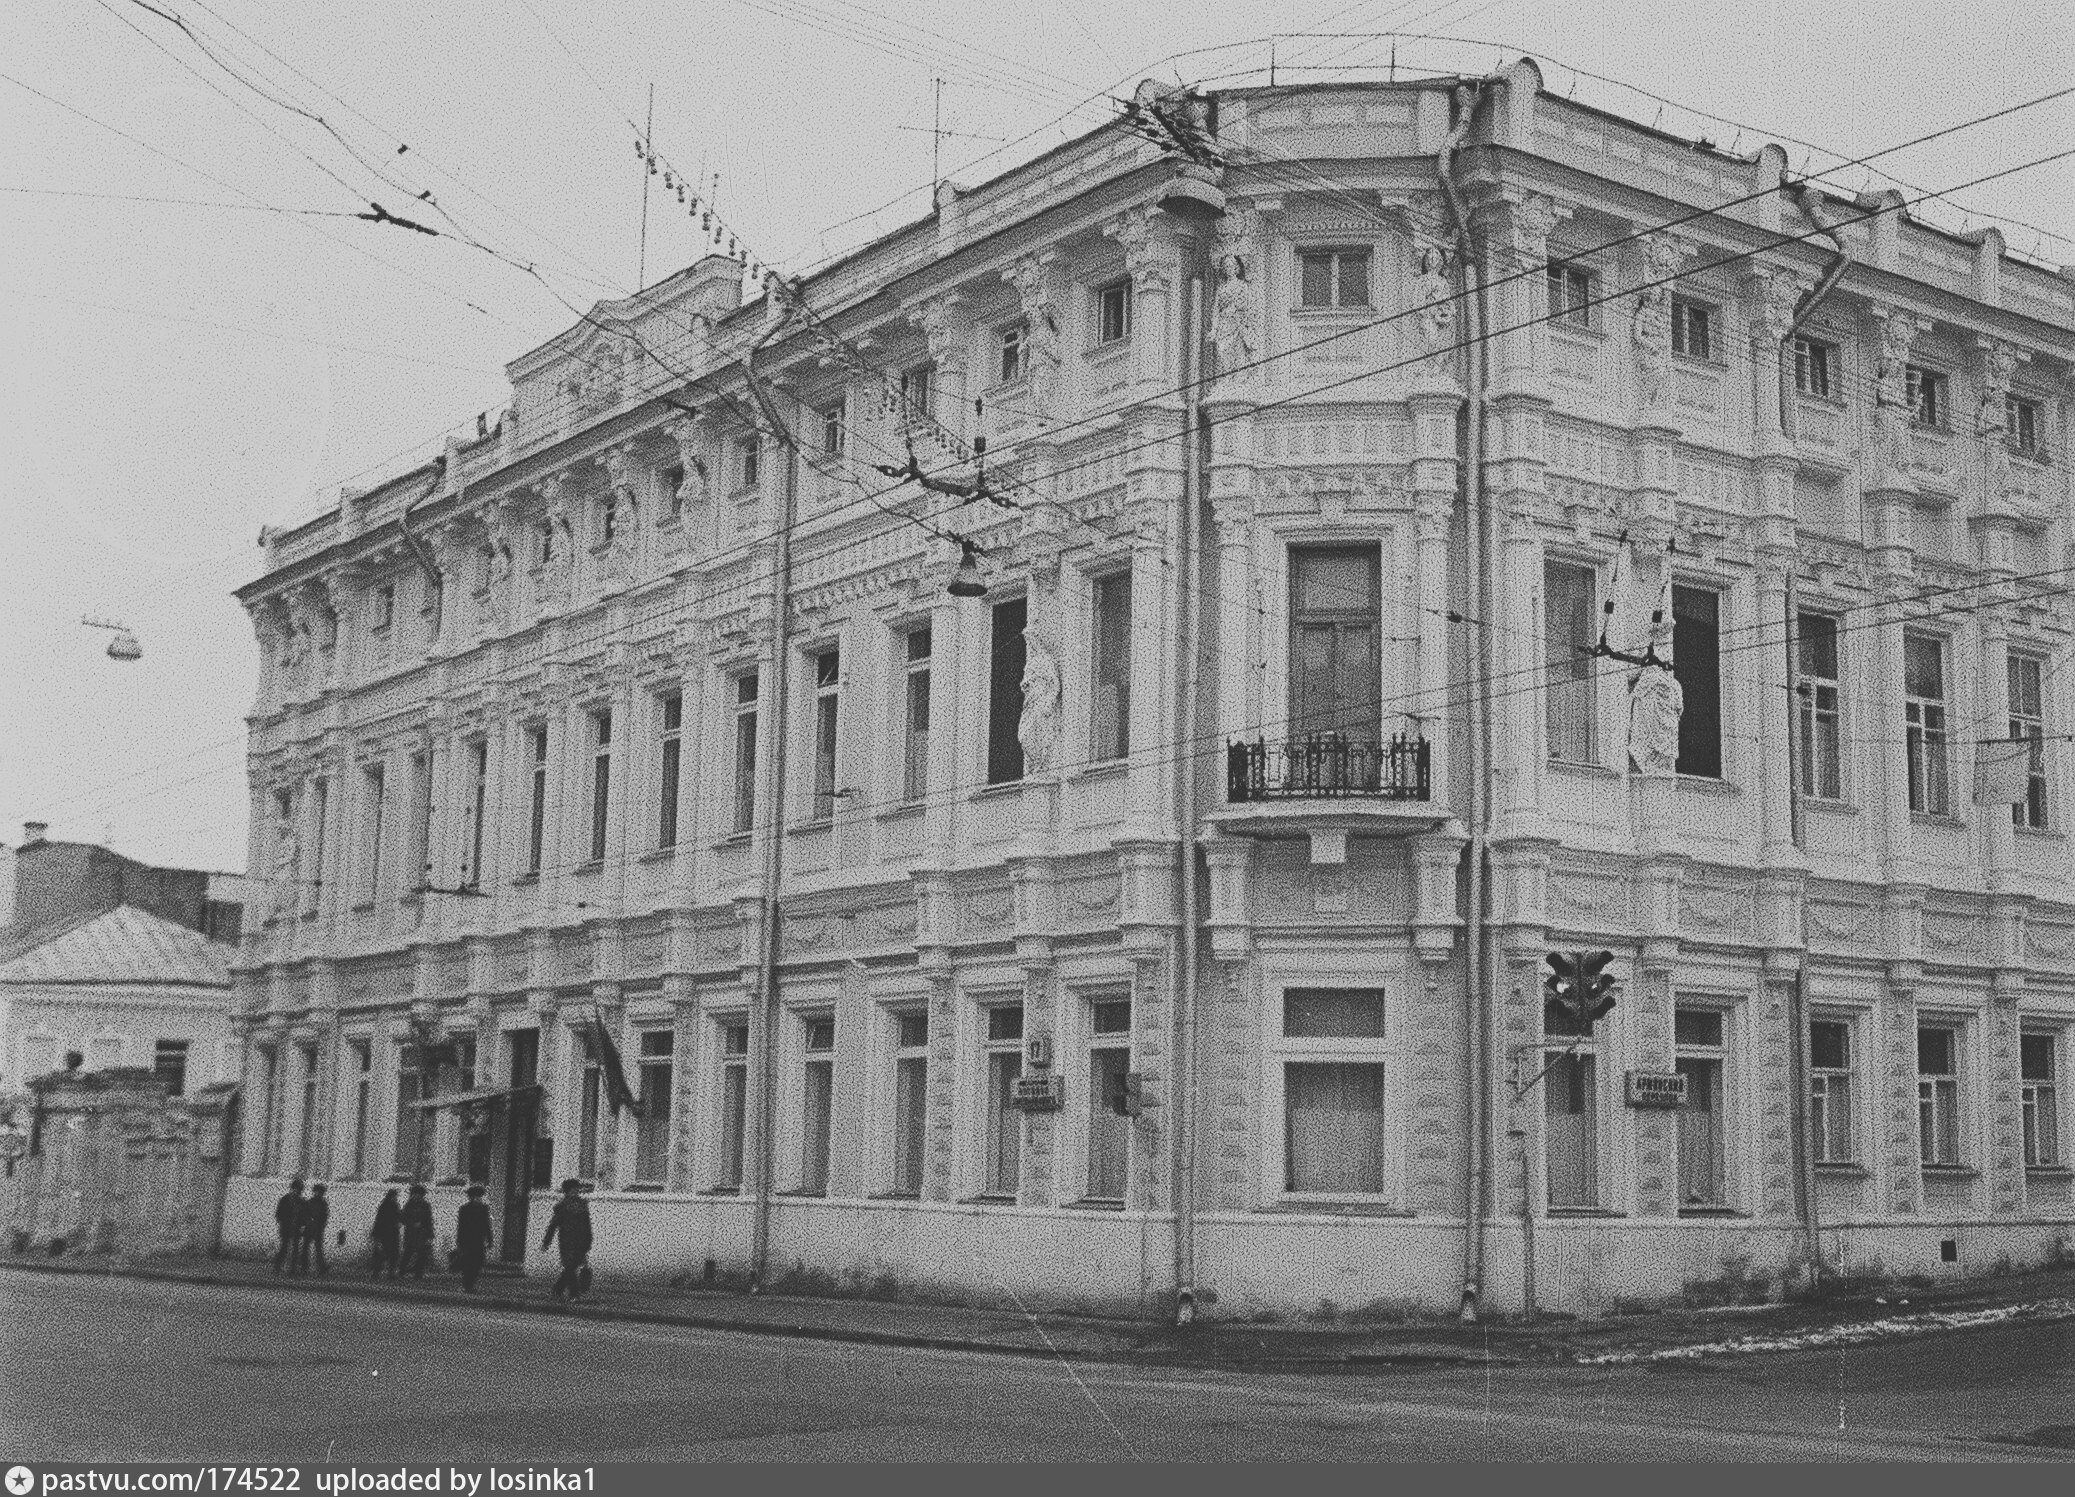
pixel 122 945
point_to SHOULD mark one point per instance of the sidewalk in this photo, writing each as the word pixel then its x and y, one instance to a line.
pixel 1238 1346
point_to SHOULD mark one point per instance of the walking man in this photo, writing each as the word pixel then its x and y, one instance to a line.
pixel 387 1234
pixel 288 1223
pixel 471 1238
pixel 315 1219
pixel 417 1233
pixel 572 1223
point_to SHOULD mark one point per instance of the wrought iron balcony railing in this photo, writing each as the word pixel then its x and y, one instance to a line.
pixel 1328 765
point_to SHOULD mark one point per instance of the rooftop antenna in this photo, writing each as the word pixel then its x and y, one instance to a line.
pixel 648 171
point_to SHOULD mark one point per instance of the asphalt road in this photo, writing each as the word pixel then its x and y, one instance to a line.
pixel 122 1369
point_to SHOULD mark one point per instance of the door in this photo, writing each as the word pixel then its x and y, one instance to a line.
pixel 522 1116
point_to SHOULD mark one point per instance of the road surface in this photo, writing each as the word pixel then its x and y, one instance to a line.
pixel 123 1369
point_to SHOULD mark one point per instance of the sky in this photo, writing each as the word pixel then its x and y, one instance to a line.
pixel 200 339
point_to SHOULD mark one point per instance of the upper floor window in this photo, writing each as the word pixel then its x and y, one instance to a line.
pixel 915 716
pixel 1333 278
pixel 918 392
pixel 1926 394
pixel 2021 424
pixel 1693 328
pixel 745 751
pixel 671 707
pixel 601 779
pixel 2028 722
pixel 1572 291
pixel 536 797
pixel 749 460
pixel 1336 682
pixel 1012 352
pixel 828 679
pixel 1005 662
pixel 1569 618
pixel 1697 665
pixel 835 429
pixel 374 787
pixel 1815 367
pixel 478 801
pixel 1924 725
pixel 1113 312
pixel 1820 746
pixel 608 520
pixel 382 607
pixel 544 536
pixel 1109 703
pixel 673 490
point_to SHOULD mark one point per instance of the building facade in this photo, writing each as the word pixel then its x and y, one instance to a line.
pixel 1114 864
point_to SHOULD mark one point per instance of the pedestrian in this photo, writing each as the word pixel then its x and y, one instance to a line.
pixel 417 1233
pixel 387 1230
pixel 288 1223
pixel 571 1222
pixel 310 1229
pixel 471 1238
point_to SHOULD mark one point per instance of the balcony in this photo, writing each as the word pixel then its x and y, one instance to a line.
pixel 1328 766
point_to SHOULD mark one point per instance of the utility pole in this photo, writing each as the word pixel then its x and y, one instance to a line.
pixel 648 170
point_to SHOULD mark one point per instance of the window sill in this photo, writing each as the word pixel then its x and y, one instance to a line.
pixel 905 808
pixel 817 824
pixel 1948 1171
pixel 2049 833
pixel 1717 1213
pixel 1708 785
pixel 638 1187
pixel 1584 1213
pixel 1933 818
pixel 895 1195
pixel 522 880
pixel 1333 314
pixel 1336 1206
pixel 1103 769
pixel 722 1190
pixel 1701 362
pixel 2048 1172
pixel 1832 403
pixel 1104 353
pixel 749 495
pixel 1094 1203
pixel 735 839
pixel 1843 1170
pixel 670 522
pixel 802 1195
pixel 658 855
pixel 988 1200
pixel 365 907
pixel 1585 332
pixel 1578 767
pixel 1828 807
pixel 997 792
pixel 591 865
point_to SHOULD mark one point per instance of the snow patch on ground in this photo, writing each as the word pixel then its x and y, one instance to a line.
pixel 1852 1334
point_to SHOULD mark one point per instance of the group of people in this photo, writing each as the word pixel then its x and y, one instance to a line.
pixel 403 1231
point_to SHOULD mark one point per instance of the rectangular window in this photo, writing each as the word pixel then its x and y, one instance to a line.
pixel 410 1119
pixel 373 785
pixel 1831 1132
pixel 363 1072
pixel 652 1130
pixel 1820 684
pixel 835 429
pixel 918 392
pixel 1336 685
pixel 1334 278
pixel 734 1101
pixel 1571 1123
pixel 537 799
pixel 608 520
pixel 1572 291
pixel 1109 703
pixel 672 730
pixel 1697 1033
pixel 320 829
pixel 544 533
pixel 306 1123
pixel 1004 1162
pixel 910 1100
pixel 1333 1097
pixel 1012 347
pixel 1693 329
pixel 1570 622
pixel 2040 1101
pixel 749 460
pixel 828 691
pixel 1925 392
pixel 169 1064
pixel 1697 663
pixel 590 1102
pixel 673 491
pixel 471 1158
pixel 817 1101
pixel 915 717
pixel 1113 312
pixel 478 752
pixel 2028 722
pixel 1924 725
pixel 266 1063
pixel 1005 693
pixel 2021 425
pixel 1938 1095
pixel 1109 1132
pixel 420 862
pixel 382 607
pixel 745 752
pixel 601 780
pixel 1815 367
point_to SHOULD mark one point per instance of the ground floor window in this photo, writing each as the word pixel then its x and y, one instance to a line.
pixel 910 1100
pixel 734 1103
pixel 652 1128
pixel 1938 1094
pixel 1698 1034
pixel 1830 1091
pixel 1332 1062
pixel 1109 1131
pixel 1003 1170
pixel 2039 1072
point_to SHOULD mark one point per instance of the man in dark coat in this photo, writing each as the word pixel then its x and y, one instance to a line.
pixel 310 1229
pixel 288 1223
pixel 471 1238
pixel 387 1233
pixel 572 1223
pixel 417 1233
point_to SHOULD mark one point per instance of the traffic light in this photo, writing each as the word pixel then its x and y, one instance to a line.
pixel 1127 1094
pixel 1581 987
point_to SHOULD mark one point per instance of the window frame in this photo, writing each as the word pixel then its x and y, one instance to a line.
pixel 1691 314
pixel 1342 622
pixel 1819 708
pixel 917 684
pixel 654 1136
pixel 728 1168
pixel 1109 666
pixel 1000 1123
pixel 374 791
pixel 1816 369
pixel 906 1052
pixel 835 429
pixel 1281 1050
pixel 1924 740
pixel 1825 1095
pixel 749 462
pixel 1012 351
pixel 1720 1052
pixel 2043 1141
pixel 743 717
pixel 2035 812
pixel 1342 263
pixel 1007 656
pixel 1690 676
pixel 1582 678
pixel 1941 1102
pixel 669 767
pixel 1927 396
pixel 536 799
pixel 824 762
pixel 1569 310
pixel 600 800
pixel 1095 1012
pixel 1114 312
pixel 815 1068
pixel 2023 419
pixel 478 792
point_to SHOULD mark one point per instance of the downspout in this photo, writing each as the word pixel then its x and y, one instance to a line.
pixel 772 692
pixel 1477 998
pixel 1195 436
pixel 1809 200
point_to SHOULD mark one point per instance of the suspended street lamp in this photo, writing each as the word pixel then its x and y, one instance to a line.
pixel 124 646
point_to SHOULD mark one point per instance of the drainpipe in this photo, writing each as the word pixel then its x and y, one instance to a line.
pixel 1810 202
pixel 1477 997
pixel 1195 437
pixel 771 711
